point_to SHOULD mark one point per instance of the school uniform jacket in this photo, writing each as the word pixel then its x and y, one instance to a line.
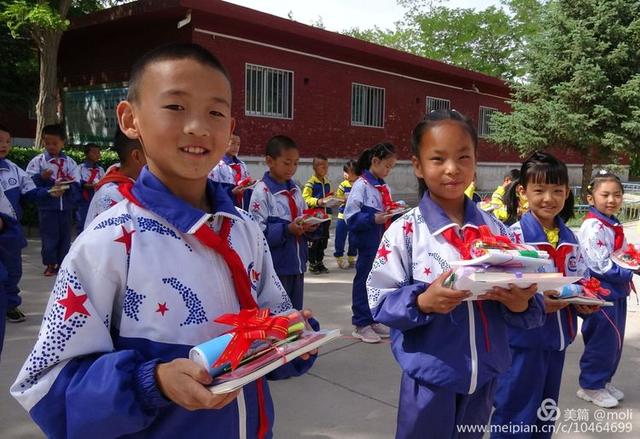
pixel 64 168
pixel 17 185
pixel 269 206
pixel 343 191
pixel 138 288
pixel 11 236
pixel 597 247
pixel 316 189
pixel 461 350
pixel 226 171
pixel 106 197
pixel 89 174
pixel 363 203
pixel 560 327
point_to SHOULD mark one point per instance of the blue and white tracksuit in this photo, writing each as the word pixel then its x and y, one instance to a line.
pixel 151 295
pixel 450 362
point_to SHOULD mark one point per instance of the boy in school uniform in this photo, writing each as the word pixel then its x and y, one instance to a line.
pixel 60 175
pixel 90 174
pixel 342 231
pixel 277 204
pixel 174 257
pixel 231 170
pixel 315 191
pixel 108 193
pixel 16 186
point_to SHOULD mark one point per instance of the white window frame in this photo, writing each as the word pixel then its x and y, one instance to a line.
pixel 484 117
pixel 255 105
pixel 359 116
pixel 433 103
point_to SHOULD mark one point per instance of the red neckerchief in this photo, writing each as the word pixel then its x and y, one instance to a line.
pixel 113 176
pixel 387 202
pixel 462 244
pixel 237 175
pixel 61 175
pixel 618 230
pixel 293 207
pixel 242 286
pixel 93 172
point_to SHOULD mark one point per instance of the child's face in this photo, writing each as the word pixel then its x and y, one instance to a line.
pixel 93 155
pixel 284 167
pixel 320 167
pixel 351 176
pixel 382 167
pixel 53 144
pixel 607 197
pixel 183 119
pixel 234 145
pixel 446 160
pixel 5 144
pixel 546 201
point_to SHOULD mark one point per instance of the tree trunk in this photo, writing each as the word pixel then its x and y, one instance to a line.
pixel 46 107
pixel 587 170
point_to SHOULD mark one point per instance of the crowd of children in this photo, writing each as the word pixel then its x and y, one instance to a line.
pixel 115 334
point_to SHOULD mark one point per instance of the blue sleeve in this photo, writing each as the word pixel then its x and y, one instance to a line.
pixel 41 182
pixel 118 387
pixel 276 232
pixel 361 221
pixel 533 317
pixel 399 309
pixel 615 275
pixel 297 366
pixel 35 195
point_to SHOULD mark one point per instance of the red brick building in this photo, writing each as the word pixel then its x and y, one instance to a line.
pixel 330 92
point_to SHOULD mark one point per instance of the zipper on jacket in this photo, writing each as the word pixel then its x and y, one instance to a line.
pixel 473 382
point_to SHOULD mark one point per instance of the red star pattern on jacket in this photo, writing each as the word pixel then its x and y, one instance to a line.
pixel 125 238
pixel 73 304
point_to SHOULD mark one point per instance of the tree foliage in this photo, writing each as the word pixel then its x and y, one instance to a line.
pixel 583 85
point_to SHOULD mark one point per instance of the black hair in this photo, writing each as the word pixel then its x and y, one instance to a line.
pixel 55 130
pixel 320 157
pixel 542 168
pixel 123 146
pixel 600 177
pixel 350 166
pixel 88 147
pixel 510 198
pixel 513 174
pixel 171 52
pixel 380 151
pixel 5 129
pixel 431 120
pixel 277 144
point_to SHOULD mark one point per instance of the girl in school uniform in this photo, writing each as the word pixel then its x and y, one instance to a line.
pixel 451 352
pixel 603 332
pixel 366 217
pixel 538 354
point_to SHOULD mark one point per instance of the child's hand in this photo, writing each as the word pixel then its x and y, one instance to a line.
pixel 440 299
pixel 381 218
pixel 46 174
pixel 307 314
pixel 309 227
pixel 295 228
pixel 56 192
pixel 238 190
pixel 587 309
pixel 551 305
pixel 183 382
pixel 516 299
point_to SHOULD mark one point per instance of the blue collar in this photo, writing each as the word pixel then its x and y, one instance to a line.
pixel 437 221
pixel 95 165
pixel 533 232
pixel 275 187
pixel 368 176
pixel 601 216
pixel 48 156
pixel 229 160
pixel 156 197
pixel 4 164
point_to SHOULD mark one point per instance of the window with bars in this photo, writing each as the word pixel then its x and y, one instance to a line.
pixel 90 113
pixel 269 92
pixel 437 104
pixel 367 105
pixel 484 119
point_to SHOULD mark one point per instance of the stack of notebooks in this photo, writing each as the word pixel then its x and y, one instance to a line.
pixel 496 264
pixel 627 257
pixel 263 356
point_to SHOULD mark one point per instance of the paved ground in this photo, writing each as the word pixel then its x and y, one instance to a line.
pixel 352 391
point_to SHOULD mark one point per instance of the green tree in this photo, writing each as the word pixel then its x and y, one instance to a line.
pixel 583 85
pixel 488 41
pixel 43 22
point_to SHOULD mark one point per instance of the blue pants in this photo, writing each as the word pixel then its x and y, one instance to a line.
pixel 293 284
pixel 427 411
pixel 55 232
pixel 534 376
pixel 602 344
pixel 11 259
pixel 359 301
pixel 3 305
pixel 342 234
pixel 81 216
